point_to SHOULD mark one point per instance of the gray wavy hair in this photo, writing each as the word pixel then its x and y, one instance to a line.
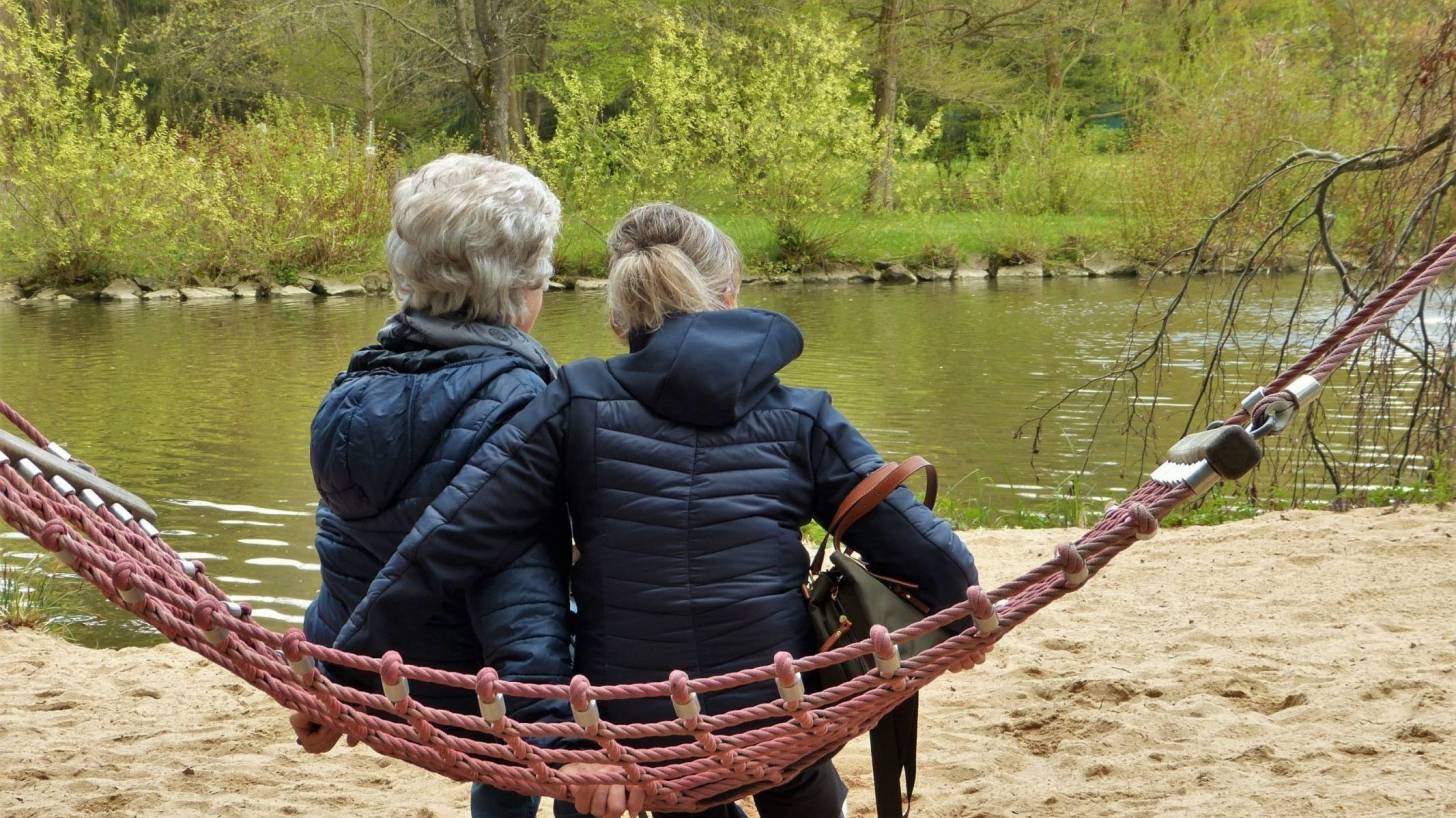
pixel 471 235
pixel 664 260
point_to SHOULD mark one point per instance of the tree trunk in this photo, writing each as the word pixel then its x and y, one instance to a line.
pixel 881 191
pixel 475 75
pixel 366 71
pixel 1051 46
pixel 493 28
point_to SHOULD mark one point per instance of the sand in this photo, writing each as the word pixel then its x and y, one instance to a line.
pixel 1302 663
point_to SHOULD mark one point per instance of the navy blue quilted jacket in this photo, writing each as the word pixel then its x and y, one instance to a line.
pixel 391 434
pixel 689 470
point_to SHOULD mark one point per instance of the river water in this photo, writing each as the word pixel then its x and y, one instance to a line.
pixel 204 409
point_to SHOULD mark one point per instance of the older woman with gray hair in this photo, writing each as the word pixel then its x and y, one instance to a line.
pixel 470 255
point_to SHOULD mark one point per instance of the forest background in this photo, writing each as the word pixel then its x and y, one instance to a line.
pixel 205 141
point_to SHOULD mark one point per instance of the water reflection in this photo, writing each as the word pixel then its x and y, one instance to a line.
pixel 205 409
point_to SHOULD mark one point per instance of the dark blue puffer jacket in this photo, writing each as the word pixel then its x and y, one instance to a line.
pixel 689 471
pixel 391 434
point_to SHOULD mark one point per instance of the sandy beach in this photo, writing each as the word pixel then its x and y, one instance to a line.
pixel 1303 663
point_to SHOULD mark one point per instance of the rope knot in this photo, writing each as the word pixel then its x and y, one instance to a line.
pixel 580 692
pixel 983 612
pixel 1144 518
pixel 887 654
pixel 396 686
pixel 788 680
pixel 301 663
pixel 122 579
pixel 1074 567
pixel 55 535
pixel 207 615
pixel 293 640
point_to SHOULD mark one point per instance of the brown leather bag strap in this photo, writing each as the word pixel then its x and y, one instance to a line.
pixel 868 494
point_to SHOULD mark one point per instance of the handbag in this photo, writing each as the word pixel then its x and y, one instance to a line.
pixel 846 599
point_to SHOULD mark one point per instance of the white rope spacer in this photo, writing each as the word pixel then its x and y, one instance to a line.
pixel 1305 388
pixel 149 529
pixel 987 625
pixel 793 695
pixel 397 692
pixel 28 470
pixel 888 666
pixel 59 451
pixel 1074 579
pixel 92 500
pixel 121 513
pixel 188 567
pixel 689 710
pixel 302 667
pixel 492 711
pixel 62 486
pixel 234 608
pixel 1252 399
pixel 588 718
pixel 4 458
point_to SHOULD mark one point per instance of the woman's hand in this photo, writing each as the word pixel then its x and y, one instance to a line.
pixel 603 800
pixel 312 736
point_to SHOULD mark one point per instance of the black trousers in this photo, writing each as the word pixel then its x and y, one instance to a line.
pixel 817 792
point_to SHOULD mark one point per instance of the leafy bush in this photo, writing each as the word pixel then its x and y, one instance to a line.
pixel 88 192
pixel 767 114
pixel 1038 164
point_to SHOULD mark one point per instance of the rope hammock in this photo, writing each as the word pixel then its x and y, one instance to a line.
pixel 108 537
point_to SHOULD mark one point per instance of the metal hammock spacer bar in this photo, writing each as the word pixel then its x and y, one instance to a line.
pixel 62 486
pixel 149 529
pixel 189 567
pixel 59 451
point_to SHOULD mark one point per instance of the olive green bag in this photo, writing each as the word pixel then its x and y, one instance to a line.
pixel 846 599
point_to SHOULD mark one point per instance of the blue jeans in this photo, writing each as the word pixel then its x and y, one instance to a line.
pixel 489 802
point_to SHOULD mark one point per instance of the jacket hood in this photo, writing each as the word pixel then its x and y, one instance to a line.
pixel 708 368
pixel 389 414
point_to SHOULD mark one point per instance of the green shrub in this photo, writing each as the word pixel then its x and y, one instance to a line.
pixel 938 255
pixel 1039 164
pixel 30 596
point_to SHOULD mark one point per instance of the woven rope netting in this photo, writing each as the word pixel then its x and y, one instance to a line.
pixel 693 761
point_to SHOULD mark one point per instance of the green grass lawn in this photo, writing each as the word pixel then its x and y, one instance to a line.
pixel 861 238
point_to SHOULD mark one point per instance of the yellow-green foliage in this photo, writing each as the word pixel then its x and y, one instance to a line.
pixel 767 114
pixel 89 192
pixel 303 192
